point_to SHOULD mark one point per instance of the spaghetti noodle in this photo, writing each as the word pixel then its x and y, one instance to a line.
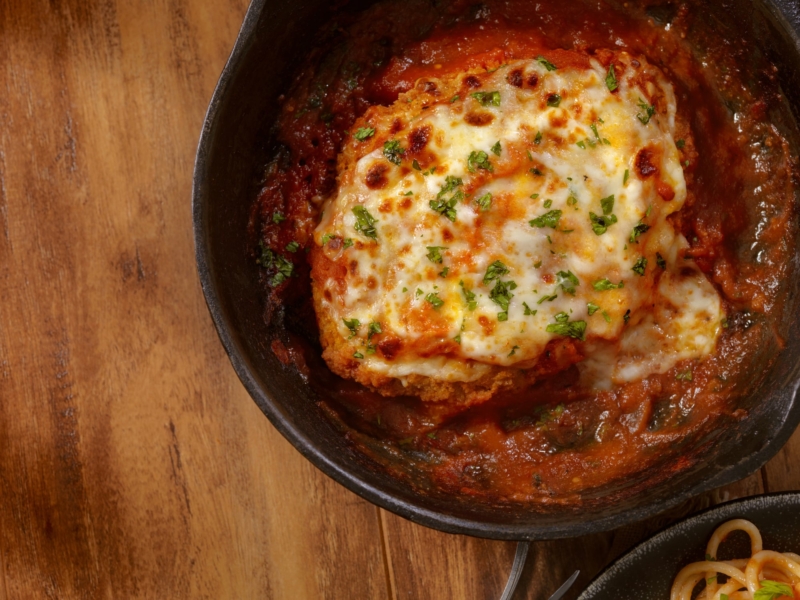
pixel 766 575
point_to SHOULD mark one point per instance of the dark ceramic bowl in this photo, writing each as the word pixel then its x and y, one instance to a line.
pixel 230 157
pixel 647 571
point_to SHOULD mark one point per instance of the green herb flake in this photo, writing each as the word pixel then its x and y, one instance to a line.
pixel 548 219
pixel 348 242
pixel 611 79
pixel 495 270
pixel 544 299
pixel 710 558
pixel 534 196
pixel 528 310
pixel 365 222
pixel 724 323
pixel 445 206
pixel 601 285
pixel 640 266
pixel 581 144
pixel 292 246
pixel 326 238
pixel 607 317
pixel 393 152
pixel 568 281
pixel 593 127
pixel 607 204
pixel 485 201
pixel 711 580
pixel 469 296
pixel 660 261
pixel 487 98
pixel 278 218
pixel 627 316
pixel 572 201
pixel 364 133
pixel 443 273
pixel 771 590
pixel 546 63
pixel 625 177
pixel 457 339
pixel 513 351
pixel 497 148
pixel 358 355
pixel 267 257
pixel 648 110
pixel 592 308
pixel 536 172
pixel 405 289
pixel 478 159
pixel 723 597
pixel 285 270
pixel 547 203
pixel 553 100
pixel 538 139
pixel 352 325
pixel 434 300
pixel 638 230
pixel 435 253
pixel 537 264
pixel 600 224
pixel 454 98
pixel 563 326
pixel 419 292
pixel 684 376
pixel 501 295
pixel 415 165
pixel 680 144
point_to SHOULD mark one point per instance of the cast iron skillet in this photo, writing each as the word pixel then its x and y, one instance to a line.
pixel 231 156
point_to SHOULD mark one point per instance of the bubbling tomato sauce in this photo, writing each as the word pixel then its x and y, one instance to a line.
pixel 555 441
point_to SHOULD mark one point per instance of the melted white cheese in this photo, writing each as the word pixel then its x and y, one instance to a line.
pixel 585 152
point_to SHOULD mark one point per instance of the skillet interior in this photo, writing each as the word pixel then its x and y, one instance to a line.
pixel 232 151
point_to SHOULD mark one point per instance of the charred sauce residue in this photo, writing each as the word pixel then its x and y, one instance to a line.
pixel 555 440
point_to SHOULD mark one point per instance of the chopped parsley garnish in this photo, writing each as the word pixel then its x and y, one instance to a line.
pixel 680 144
pixel 627 316
pixel 434 299
pixel 445 206
pixel 285 270
pixel 513 351
pixel 267 256
pixel 592 308
pixel 358 355
pixel 292 246
pixel 364 133
pixel 685 376
pixel 625 177
pixel 393 152
pixel 278 218
pixel 408 193
pixel 563 326
pixel 497 148
pixel 546 63
pixel 419 292
pixel 593 127
pixel 600 224
pixel 770 590
pixel 352 325
pixel 553 100
pixel 547 203
pixel 648 110
pixel 348 242
pixel 374 328
pixel 365 222
pixel 415 165
pixel 581 144
pixel 501 295
pixel 611 79
pixel 435 253
pixel 538 139
pixel 326 238
pixel 457 339
pixel 534 196
pixel 638 230
pixel 660 261
pixel 495 270
pixel 528 310
pixel 487 98
pixel 607 204
pixel 604 284
pixel 537 264
pixel 454 98
pixel 443 273
pixel 544 299
pixel 572 201
pixel 478 159
pixel 640 266
pixel 536 172
pixel 548 219
pixel 607 317
pixel 469 295
pixel 485 201
pixel 568 281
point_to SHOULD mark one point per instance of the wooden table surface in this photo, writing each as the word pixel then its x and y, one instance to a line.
pixel 133 464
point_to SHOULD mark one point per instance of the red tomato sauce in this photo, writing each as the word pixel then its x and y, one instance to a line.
pixel 552 443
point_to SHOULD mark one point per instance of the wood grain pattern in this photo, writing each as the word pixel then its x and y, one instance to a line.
pixel 132 462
